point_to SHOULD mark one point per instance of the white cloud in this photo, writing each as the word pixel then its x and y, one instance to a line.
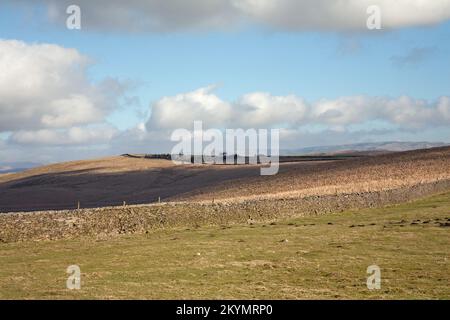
pixel 345 110
pixel 343 15
pixel 444 108
pixel 73 136
pixel 258 109
pixel 263 110
pixel 294 15
pixel 74 109
pixel 325 122
pixel 181 110
pixel 46 86
pixel 403 112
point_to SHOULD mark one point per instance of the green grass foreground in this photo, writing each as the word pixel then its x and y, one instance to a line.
pixel 310 257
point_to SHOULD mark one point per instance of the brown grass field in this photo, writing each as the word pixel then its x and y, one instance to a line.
pixel 110 181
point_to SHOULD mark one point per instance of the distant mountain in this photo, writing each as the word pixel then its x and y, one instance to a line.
pixel 370 147
pixel 11 167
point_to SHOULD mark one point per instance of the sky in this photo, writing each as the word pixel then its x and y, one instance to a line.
pixel 137 70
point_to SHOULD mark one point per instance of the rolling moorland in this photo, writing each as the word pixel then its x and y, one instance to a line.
pixel 111 181
pixel 222 231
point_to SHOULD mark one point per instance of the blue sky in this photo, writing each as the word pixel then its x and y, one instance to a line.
pixel 313 65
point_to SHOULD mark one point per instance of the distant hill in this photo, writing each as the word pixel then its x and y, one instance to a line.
pixel 369 147
pixel 113 180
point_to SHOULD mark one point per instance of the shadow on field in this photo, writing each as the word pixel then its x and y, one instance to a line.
pixel 63 190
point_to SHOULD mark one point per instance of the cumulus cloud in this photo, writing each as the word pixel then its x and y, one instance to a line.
pixel 183 109
pixel 72 136
pixel 49 108
pixel 46 86
pixel 403 112
pixel 263 110
pixel 302 123
pixel 294 15
pixel 258 109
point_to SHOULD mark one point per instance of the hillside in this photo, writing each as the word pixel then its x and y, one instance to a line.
pixel 106 181
pixel 369 147
pixel 225 232
pixel 370 173
pixel 111 181
pixel 323 257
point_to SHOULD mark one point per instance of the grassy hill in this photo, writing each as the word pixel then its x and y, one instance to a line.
pixel 110 181
pixel 310 257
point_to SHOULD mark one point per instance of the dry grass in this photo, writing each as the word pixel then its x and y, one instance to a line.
pixel 381 172
pixel 323 257
pixel 102 165
pixel 110 181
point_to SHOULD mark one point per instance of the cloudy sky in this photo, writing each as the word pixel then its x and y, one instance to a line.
pixel 139 69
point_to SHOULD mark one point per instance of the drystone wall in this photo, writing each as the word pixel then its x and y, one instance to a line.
pixel 109 221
